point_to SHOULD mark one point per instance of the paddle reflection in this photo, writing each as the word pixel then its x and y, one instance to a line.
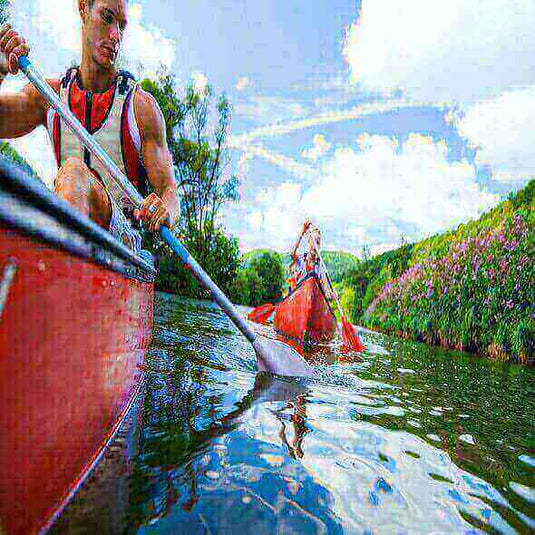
pixel 184 452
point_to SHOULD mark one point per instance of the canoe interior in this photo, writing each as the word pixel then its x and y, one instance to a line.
pixel 73 334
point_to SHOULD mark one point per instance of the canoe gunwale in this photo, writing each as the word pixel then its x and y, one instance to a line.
pixel 28 206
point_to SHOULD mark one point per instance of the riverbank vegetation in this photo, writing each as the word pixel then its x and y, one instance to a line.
pixel 471 288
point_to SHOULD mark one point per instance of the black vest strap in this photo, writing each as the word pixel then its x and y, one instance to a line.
pixel 125 81
pixel 69 75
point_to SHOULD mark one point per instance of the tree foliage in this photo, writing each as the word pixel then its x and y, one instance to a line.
pixel 8 152
pixel 197 131
pixel 338 263
pixel 261 280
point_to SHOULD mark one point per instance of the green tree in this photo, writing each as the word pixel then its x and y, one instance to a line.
pixel 197 131
pixel 269 268
pixel 260 280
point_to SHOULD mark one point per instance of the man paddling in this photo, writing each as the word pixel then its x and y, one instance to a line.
pixel 123 118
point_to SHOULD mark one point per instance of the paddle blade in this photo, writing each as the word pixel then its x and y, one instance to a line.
pixel 277 357
pixel 262 313
pixel 350 338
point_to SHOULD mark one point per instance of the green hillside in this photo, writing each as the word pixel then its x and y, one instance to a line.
pixel 338 262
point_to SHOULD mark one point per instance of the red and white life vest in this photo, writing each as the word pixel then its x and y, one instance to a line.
pixel 110 118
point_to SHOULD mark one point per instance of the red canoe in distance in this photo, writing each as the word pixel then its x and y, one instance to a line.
pixel 75 321
pixel 305 315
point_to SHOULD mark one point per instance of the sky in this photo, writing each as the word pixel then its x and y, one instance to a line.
pixel 380 120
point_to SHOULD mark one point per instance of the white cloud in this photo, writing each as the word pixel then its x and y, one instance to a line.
pixel 412 182
pixel 146 47
pixel 371 192
pixel 243 83
pixel 292 166
pixel 13 84
pixel 58 19
pixel 262 109
pixel 457 50
pixel 501 130
pixel 200 82
pixel 36 149
pixel 277 129
pixel 320 147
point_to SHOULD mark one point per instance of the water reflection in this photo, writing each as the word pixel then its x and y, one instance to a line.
pixel 211 456
pixel 410 439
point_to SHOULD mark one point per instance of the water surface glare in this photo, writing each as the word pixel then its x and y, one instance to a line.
pixel 411 439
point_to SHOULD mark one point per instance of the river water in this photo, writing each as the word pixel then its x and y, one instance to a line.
pixel 409 439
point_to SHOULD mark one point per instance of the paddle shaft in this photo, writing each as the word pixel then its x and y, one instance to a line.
pixel 120 179
pixel 335 294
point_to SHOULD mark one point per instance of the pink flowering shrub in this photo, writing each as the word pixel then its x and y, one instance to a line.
pixel 479 296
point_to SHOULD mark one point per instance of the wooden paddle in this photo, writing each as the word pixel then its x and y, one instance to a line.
pixel 271 355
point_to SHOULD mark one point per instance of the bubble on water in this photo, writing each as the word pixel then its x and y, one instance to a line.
pixel 405 370
pixel 527 460
pixel 523 491
pixel 469 439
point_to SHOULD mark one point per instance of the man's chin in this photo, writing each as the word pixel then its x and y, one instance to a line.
pixel 106 64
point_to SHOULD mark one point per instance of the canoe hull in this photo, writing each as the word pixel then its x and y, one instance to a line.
pixel 73 334
pixel 305 315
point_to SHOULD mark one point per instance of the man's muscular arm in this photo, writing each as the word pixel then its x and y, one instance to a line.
pixel 158 163
pixel 20 112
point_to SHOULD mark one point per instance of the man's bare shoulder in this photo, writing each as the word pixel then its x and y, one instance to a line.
pixel 148 114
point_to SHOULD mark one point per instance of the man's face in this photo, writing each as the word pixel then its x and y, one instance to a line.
pixel 103 27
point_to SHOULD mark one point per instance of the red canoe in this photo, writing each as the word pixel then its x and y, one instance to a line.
pixel 305 315
pixel 75 321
